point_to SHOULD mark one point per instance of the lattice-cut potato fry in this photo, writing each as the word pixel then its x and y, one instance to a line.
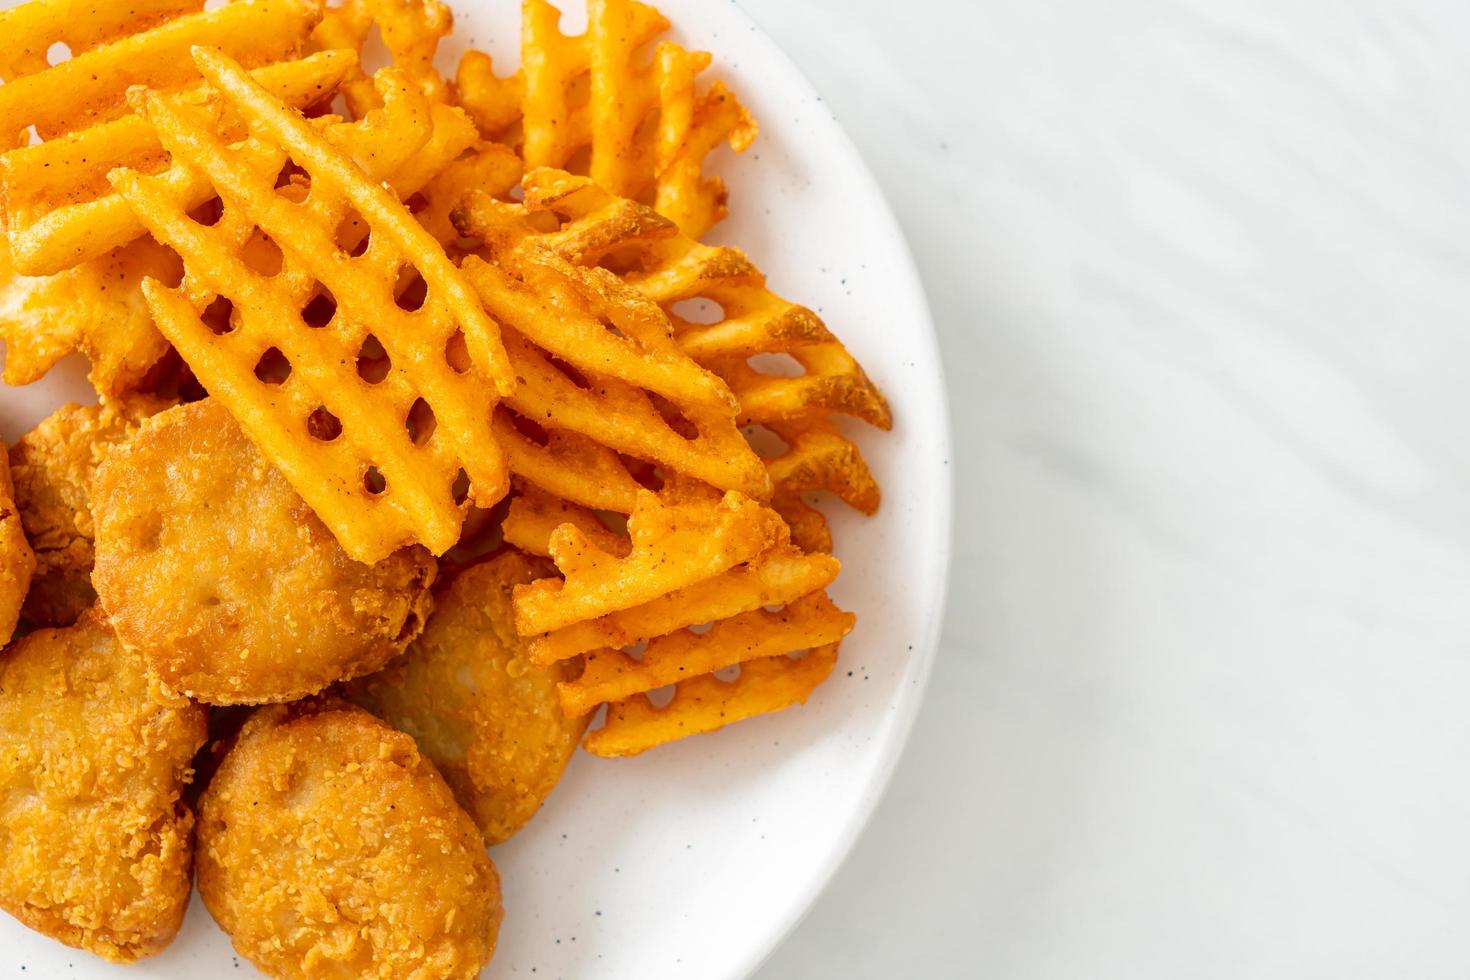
pixel 565 464
pixel 707 703
pixel 30 29
pixel 488 167
pixel 673 546
pixel 369 380
pixel 96 308
pixel 817 457
pixel 613 675
pixel 593 94
pixel 535 515
pixel 59 204
pixel 90 87
pixel 411 31
pixel 778 576
pixel 809 529
pixel 17 561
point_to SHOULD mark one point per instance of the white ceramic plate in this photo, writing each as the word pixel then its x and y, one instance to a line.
pixel 694 860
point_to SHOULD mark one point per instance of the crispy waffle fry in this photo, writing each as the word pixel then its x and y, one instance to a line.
pixel 809 529
pixel 96 308
pixel 60 208
pixel 661 165
pixel 613 675
pixel 535 515
pixel 17 561
pixel 374 451
pixel 776 577
pixel 673 546
pixel 411 31
pixel 565 464
pixel 707 703
pixel 30 29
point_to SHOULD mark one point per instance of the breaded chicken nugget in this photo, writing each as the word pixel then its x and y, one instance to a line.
pixel 17 562
pixel 486 715
pixel 94 758
pixel 209 563
pixel 53 466
pixel 330 847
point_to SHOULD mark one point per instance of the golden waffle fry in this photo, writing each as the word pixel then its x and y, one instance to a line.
pixel 488 167
pixel 590 94
pixel 613 675
pixel 780 575
pixel 96 308
pixel 411 31
pixel 809 530
pixel 17 561
pixel 535 515
pixel 565 464
pixel 673 546
pixel 374 451
pixel 30 29
pixel 707 703
pixel 817 457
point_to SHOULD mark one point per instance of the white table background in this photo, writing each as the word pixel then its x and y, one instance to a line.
pixel 1199 271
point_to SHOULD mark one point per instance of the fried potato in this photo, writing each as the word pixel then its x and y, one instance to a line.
pixel 486 716
pixel 330 847
pixel 94 757
pixel 211 564
pixel 53 467
pixel 17 561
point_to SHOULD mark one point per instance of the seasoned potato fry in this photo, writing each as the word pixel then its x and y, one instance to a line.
pixel 486 716
pixel 209 563
pixel 329 847
pixel 53 467
pixel 17 561
pixel 94 757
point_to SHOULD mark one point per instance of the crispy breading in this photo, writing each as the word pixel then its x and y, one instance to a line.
pixel 53 466
pixel 94 757
pixel 468 692
pixel 330 847
pixel 17 561
pixel 212 565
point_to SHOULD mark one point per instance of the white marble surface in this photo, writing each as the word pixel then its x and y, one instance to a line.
pixel 1199 271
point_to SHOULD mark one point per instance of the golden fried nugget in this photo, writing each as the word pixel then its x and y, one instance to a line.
pixel 330 847
pixel 53 466
pixel 94 757
pixel 212 565
pixel 17 561
pixel 486 716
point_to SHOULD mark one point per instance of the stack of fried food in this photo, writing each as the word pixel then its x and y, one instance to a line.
pixel 427 428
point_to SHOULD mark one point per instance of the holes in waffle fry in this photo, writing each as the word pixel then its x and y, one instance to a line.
pixel 416 203
pixel 373 481
pixel 767 444
pixel 420 422
pixel 572 374
pixel 218 316
pixel 353 236
pixel 373 362
pixel 323 425
pixel 698 310
pixel 262 256
pixel 529 428
pixel 411 291
pixel 676 419
pixel 457 353
pixel 208 213
pixel 320 310
pixel 776 365
pixel 272 368
pixel 291 173
pixel 460 491
pixel 661 697
pixel 57 53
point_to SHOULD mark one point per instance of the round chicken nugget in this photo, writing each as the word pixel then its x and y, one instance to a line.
pixel 17 561
pixel 330 847
pixel 94 757
pixel 487 716
pixel 211 564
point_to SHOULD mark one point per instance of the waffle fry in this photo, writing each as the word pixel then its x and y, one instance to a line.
pixel 661 166
pixel 780 575
pixel 411 31
pixel 17 561
pixel 375 455
pixel 612 675
pixel 705 704
pixel 673 546
pixel 565 464
pixel 535 515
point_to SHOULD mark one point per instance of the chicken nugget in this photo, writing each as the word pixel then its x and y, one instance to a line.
pixel 53 466
pixel 216 569
pixel 94 758
pixel 330 847
pixel 466 689
pixel 17 562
